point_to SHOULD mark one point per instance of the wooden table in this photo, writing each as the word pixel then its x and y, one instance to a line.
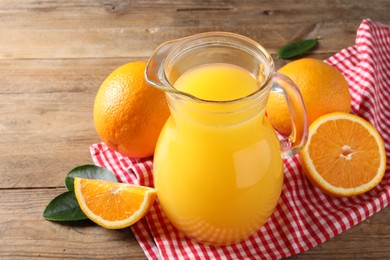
pixel 55 54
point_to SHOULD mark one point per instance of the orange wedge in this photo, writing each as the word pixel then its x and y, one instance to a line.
pixel 344 155
pixel 113 205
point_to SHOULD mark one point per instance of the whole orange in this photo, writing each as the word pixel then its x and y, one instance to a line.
pixel 129 113
pixel 324 90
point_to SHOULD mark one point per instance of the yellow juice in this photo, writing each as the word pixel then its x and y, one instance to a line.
pixel 217 167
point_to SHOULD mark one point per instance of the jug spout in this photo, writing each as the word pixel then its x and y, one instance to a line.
pixel 155 73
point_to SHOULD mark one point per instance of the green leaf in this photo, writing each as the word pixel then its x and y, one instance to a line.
pixel 88 172
pixel 64 208
pixel 296 48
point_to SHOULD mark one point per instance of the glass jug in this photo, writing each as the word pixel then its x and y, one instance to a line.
pixel 218 166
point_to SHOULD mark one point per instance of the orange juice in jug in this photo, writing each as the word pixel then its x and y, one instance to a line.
pixel 213 189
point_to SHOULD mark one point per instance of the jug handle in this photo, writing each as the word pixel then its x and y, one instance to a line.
pixel 294 143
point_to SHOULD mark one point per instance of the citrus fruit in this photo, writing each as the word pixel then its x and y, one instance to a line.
pixel 323 88
pixel 129 113
pixel 113 205
pixel 344 155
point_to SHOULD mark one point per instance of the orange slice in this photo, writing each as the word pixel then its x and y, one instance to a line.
pixel 344 155
pixel 113 205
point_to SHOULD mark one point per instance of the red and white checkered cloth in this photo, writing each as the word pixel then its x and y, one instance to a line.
pixel 304 217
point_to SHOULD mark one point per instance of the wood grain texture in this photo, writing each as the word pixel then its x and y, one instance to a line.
pixel 184 13
pixel 120 42
pixel 124 29
pixel 25 234
pixel 55 54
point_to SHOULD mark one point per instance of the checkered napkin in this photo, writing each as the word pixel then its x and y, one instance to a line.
pixel 304 217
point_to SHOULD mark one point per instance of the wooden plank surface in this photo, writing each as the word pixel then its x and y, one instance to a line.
pixel 55 54
pixel 120 41
pixel 23 233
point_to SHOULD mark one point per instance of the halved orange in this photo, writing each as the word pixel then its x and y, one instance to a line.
pixel 113 205
pixel 344 155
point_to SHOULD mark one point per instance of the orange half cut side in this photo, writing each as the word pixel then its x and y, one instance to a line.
pixel 113 205
pixel 344 155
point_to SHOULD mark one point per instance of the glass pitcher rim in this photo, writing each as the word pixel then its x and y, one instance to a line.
pixel 263 87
